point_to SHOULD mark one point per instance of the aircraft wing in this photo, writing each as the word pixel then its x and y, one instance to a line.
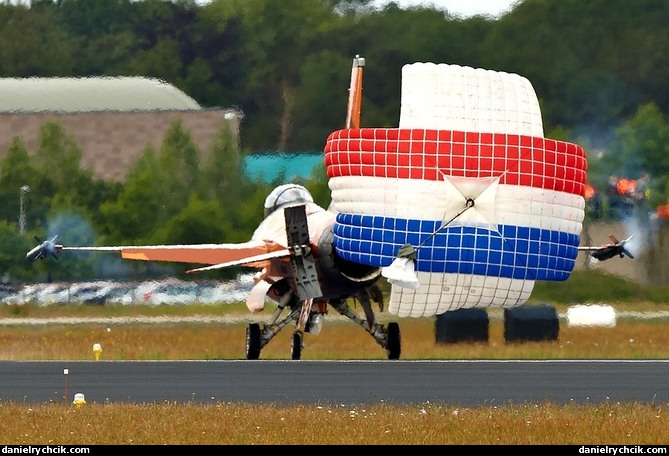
pixel 253 253
pixel 257 261
pixel 594 248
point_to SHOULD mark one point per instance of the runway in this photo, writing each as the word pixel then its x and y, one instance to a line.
pixel 466 383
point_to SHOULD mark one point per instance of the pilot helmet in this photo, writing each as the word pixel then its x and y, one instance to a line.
pixel 286 194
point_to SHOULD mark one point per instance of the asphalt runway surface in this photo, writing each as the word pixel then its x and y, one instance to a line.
pixel 465 383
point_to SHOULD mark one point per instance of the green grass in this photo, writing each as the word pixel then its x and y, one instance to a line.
pixel 343 424
pixel 382 424
pixel 587 286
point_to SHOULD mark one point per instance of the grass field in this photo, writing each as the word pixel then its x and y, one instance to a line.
pixel 178 332
pixel 163 334
pixel 250 424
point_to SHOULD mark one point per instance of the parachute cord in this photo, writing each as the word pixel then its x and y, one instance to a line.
pixel 469 203
pixel 409 251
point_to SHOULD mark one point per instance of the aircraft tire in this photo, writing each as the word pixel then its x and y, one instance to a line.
pixel 253 341
pixel 296 346
pixel 394 347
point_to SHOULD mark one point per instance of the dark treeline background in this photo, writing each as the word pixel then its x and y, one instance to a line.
pixel 599 67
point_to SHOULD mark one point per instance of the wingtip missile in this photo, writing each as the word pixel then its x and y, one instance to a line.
pixel 623 250
pixel 42 249
pixel 616 248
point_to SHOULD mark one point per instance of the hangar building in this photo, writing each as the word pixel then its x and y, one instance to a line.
pixel 112 119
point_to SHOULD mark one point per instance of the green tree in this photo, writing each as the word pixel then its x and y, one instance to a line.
pixel 58 157
pixel 276 36
pixel 179 166
pixel 224 181
pixel 104 30
pixel 16 171
pixel 138 210
pixel 160 61
pixel 590 63
pixel 156 190
pixel 642 146
pixel 320 109
pixel 61 178
pixel 213 57
pixel 223 167
pixel 14 248
pixel 200 222
pixel 34 43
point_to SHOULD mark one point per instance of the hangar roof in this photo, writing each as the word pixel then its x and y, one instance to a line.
pixel 69 95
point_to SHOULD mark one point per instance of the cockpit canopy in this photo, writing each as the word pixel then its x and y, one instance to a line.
pixel 286 194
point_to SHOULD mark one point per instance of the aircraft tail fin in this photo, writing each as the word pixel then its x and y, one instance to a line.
pixel 355 93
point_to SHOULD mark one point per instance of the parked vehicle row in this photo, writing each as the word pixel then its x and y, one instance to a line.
pixel 171 291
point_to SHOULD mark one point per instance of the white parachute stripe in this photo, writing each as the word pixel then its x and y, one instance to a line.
pixel 453 97
pixel 441 293
pixel 431 200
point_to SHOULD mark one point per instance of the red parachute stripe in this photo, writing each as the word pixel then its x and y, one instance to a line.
pixel 432 154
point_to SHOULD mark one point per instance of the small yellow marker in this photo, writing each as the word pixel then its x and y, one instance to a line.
pixel 97 349
pixel 79 399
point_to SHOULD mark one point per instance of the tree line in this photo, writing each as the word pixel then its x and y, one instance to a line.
pixel 600 69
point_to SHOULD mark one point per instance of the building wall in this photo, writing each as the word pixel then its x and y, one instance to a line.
pixel 113 141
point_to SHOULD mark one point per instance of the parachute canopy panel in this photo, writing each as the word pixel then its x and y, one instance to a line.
pixel 489 205
pixel 453 97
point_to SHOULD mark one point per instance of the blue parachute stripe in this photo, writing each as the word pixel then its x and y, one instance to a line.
pixel 516 252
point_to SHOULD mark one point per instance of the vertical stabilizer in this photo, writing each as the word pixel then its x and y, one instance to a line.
pixel 355 93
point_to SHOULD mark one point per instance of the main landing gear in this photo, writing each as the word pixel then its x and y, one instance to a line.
pixel 308 318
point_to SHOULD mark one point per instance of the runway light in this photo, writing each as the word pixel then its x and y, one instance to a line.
pixel 97 350
pixel 79 399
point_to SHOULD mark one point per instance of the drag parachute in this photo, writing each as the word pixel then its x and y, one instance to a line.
pixel 488 204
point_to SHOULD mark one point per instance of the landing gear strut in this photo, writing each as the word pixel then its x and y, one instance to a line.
pixel 257 335
pixel 387 337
